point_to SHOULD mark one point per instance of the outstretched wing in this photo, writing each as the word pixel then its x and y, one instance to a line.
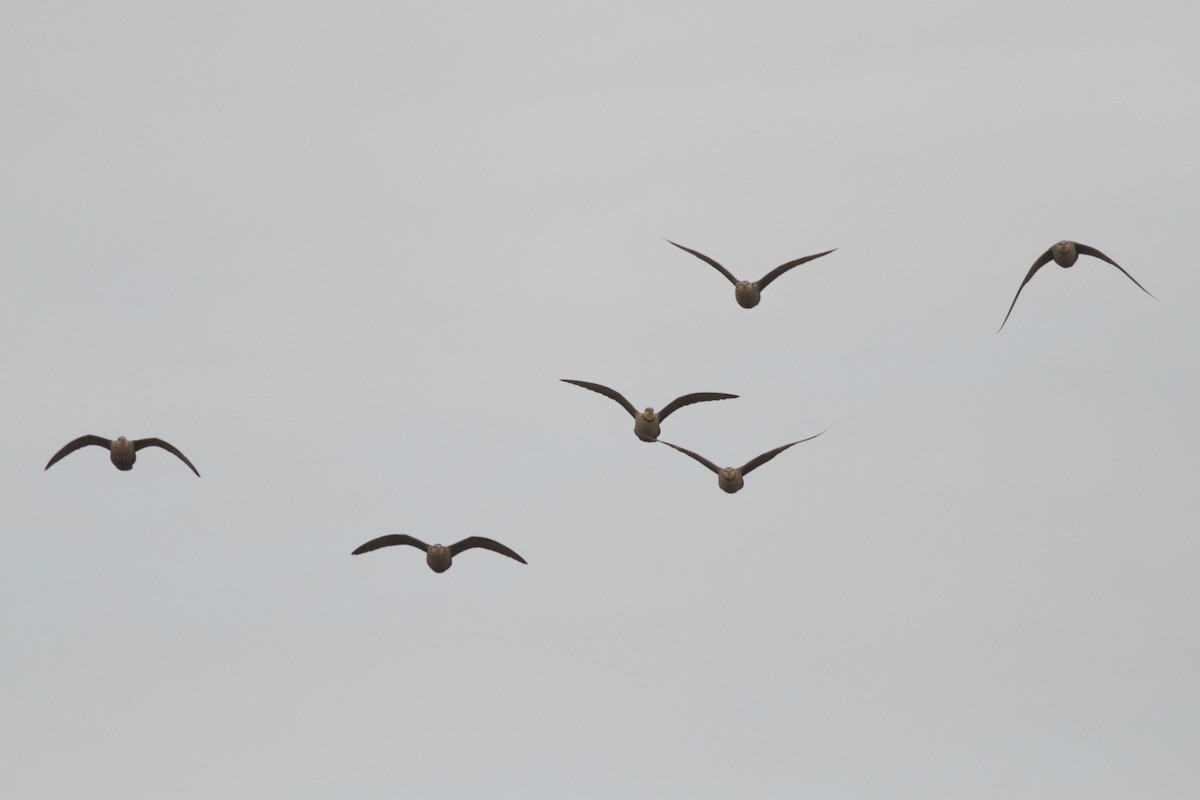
pixel 138 444
pixel 71 447
pixel 709 261
pixel 486 544
pixel 765 281
pixel 757 462
pixel 688 399
pixel 1091 251
pixel 607 392
pixel 388 541
pixel 696 456
pixel 1042 261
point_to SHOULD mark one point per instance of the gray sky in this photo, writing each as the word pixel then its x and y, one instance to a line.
pixel 341 257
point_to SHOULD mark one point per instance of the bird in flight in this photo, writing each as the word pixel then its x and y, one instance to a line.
pixel 748 293
pixel 646 423
pixel 730 479
pixel 438 556
pixel 1064 254
pixel 121 451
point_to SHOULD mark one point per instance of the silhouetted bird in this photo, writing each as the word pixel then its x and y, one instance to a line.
pixel 1064 254
pixel 122 451
pixel 646 423
pixel 730 479
pixel 437 556
pixel 748 293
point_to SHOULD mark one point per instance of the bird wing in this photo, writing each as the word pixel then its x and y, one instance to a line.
pixel 388 541
pixel 607 392
pixel 765 281
pixel 486 544
pixel 1091 251
pixel 758 461
pixel 1042 261
pixel 138 444
pixel 688 399
pixel 710 261
pixel 72 446
pixel 696 456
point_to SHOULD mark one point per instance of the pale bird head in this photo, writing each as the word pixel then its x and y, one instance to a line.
pixel 729 473
pixel 648 415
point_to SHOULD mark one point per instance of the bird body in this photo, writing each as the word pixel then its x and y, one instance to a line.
pixel 730 480
pixel 438 557
pixel 647 423
pixel 1064 254
pixel 121 451
pixel 747 294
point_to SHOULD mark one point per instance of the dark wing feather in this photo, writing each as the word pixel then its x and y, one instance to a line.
pixel 709 261
pixel 607 392
pixel 1091 251
pixel 138 444
pixel 72 446
pixel 688 399
pixel 757 462
pixel 388 541
pixel 696 456
pixel 1042 261
pixel 486 544
pixel 765 281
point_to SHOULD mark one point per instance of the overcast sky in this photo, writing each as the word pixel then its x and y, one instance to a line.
pixel 341 254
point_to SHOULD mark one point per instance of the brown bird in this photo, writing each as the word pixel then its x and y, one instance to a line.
pixel 121 451
pixel 646 423
pixel 1064 254
pixel 730 479
pixel 748 293
pixel 438 556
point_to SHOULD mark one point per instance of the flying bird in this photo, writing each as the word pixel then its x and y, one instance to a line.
pixel 646 423
pixel 122 451
pixel 730 479
pixel 438 556
pixel 748 293
pixel 1064 254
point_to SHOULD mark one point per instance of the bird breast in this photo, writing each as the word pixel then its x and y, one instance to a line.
pixel 121 454
pixel 731 485
pixel 646 430
pixel 1065 254
pixel 747 294
pixel 438 558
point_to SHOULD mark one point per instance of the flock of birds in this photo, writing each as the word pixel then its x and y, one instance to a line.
pixel 646 424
